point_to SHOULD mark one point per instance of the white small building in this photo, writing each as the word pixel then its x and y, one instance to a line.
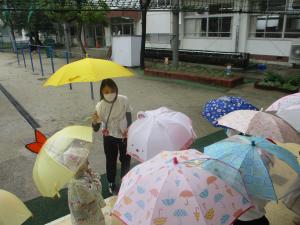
pixel 265 37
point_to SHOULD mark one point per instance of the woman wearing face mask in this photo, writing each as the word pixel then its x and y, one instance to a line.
pixel 114 117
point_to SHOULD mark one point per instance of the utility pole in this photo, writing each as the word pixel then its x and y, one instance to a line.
pixel 175 36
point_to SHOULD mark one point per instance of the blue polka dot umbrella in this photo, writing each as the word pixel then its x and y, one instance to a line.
pixel 216 108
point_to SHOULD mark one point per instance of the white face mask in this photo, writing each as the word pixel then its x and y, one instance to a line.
pixel 110 97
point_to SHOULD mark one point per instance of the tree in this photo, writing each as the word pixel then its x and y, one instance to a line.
pixel 175 38
pixel 80 12
pixel 13 18
pixel 90 18
pixel 61 16
pixel 38 22
pixel 144 4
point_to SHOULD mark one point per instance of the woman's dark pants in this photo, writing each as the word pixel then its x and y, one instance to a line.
pixel 112 148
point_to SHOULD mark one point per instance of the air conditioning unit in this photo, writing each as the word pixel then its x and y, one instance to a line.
pixel 295 53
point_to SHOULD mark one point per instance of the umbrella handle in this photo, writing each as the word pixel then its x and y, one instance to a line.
pixel 56 190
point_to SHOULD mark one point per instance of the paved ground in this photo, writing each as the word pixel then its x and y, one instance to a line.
pixel 55 108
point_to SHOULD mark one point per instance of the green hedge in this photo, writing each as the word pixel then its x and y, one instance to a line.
pixel 289 82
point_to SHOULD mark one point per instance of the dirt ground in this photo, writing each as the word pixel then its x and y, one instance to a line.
pixel 56 107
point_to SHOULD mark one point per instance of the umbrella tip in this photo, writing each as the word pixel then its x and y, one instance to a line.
pixel 86 55
pixel 175 160
pixel 253 143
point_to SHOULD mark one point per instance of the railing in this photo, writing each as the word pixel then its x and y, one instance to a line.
pixel 237 59
pixel 39 57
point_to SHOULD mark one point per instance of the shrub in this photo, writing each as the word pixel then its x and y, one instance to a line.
pixel 290 87
pixel 294 80
pixel 274 77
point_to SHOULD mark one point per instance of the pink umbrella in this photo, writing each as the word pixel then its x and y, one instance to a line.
pixel 285 102
pixel 159 130
pixel 288 109
pixel 176 192
pixel 291 116
pixel 261 124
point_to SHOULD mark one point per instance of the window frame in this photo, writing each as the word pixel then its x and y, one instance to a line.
pixel 207 32
pixel 283 33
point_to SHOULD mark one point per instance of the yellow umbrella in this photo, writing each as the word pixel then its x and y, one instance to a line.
pixel 293 148
pixel 12 209
pixel 60 158
pixel 87 70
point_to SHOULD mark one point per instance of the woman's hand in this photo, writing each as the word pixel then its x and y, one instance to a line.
pixel 95 118
pixel 125 133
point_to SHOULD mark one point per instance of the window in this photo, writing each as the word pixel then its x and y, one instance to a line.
pixel 219 27
pixel 163 3
pixel 266 26
pixel 292 29
pixel 208 27
pixel 122 26
pixel 195 27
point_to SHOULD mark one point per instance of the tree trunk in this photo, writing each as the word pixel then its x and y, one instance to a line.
pixel 143 41
pixel 67 39
pixel 79 39
pixel 13 38
pixel 175 38
pixel 58 34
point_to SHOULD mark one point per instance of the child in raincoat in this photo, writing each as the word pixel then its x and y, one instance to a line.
pixel 85 199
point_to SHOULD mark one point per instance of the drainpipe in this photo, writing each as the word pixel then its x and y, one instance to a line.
pixel 237 37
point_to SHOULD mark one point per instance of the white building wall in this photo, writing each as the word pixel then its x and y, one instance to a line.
pixel 159 22
pixel 208 44
pixel 269 47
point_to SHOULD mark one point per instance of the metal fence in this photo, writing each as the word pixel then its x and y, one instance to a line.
pixel 43 60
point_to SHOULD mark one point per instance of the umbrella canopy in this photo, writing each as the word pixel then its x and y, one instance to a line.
pixel 216 108
pixel 60 158
pixel 293 148
pixel 169 191
pixel 267 169
pixel 261 124
pixel 87 70
pixel 12 210
pixel 285 102
pixel 291 116
pixel 288 108
pixel 156 112
pixel 159 130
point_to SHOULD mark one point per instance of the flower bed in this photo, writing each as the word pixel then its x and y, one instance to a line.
pixel 262 86
pixel 276 82
pixel 230 81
